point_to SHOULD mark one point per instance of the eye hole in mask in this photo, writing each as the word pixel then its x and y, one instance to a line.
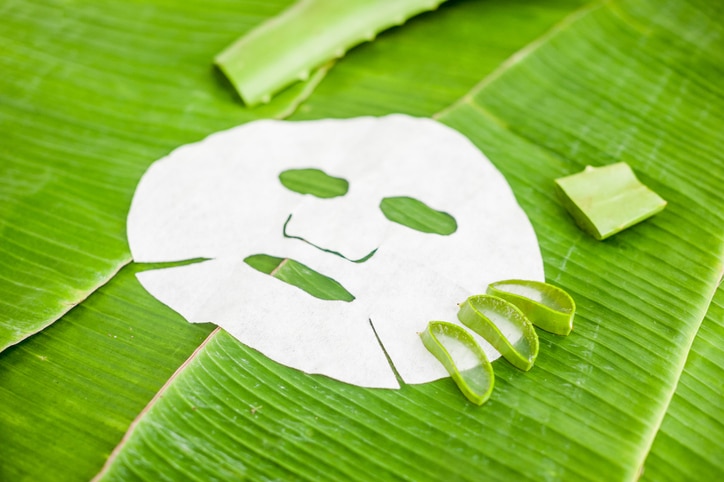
pixel 315 182
pixel 417 215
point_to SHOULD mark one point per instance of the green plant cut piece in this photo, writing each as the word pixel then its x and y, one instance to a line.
pixel 312 32
pixel 315 182
pixel 546 306
pixel 300 275
pixel 606 200
pixel 498 321
pixel 462 357
pixel 417 215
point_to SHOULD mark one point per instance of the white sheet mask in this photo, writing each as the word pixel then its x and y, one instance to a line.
pixel 222 199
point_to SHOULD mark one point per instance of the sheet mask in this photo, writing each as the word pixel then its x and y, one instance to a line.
pixel 221 199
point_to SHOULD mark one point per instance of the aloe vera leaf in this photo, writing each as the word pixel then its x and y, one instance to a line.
pixel 499 321
pixel 462 357
pixel 546 306
pixel 286 48
pixel 606 200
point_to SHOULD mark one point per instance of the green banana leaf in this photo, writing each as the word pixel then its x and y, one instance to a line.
pixel 93 93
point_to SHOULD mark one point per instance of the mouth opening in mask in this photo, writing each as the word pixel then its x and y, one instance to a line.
pixel 300 275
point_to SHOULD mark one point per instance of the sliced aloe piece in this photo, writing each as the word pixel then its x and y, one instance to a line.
pixel 499 321
pixel 462 357
pixel 546 306
pixel 606 200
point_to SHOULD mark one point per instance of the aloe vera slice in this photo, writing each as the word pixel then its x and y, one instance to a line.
pixel 462 357
pixel 546 306
pixel 606 200
pixel 497 320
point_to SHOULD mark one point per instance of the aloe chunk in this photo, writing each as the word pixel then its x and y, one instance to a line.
pixel 462 357
pixel 546 306
pixel 606 200
pixel 498 321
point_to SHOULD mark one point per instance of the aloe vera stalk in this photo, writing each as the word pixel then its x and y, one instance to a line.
pixel 462 357
pixel 606 200
pixel 490 317
pixel 305 36
pixel 546 306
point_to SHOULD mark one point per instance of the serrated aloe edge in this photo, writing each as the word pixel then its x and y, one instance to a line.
pixel 462 357
pixel 546 306
pixel 499 321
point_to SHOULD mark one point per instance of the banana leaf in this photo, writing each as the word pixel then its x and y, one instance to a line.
pixel 97 92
